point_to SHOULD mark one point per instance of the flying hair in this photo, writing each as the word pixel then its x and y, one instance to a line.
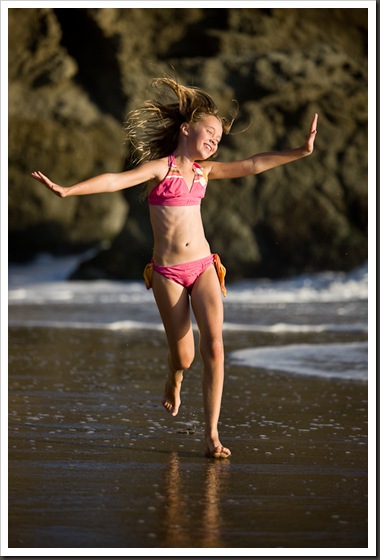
pixel 153 128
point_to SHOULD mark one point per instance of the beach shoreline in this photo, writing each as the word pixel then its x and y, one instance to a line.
pixel 95 461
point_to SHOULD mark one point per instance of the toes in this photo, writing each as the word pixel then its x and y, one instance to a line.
pixel 167 405
pixel 218 452
pixel 171 409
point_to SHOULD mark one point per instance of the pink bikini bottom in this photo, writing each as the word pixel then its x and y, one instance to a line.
pixel 186 274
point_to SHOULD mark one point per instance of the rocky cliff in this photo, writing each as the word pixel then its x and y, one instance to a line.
pixel 75 72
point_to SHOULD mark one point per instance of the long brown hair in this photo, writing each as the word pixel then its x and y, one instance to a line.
pixel 153 128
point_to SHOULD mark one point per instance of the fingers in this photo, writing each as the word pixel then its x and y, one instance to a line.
pixel 37 175
pixel 313 127
pixel 42 178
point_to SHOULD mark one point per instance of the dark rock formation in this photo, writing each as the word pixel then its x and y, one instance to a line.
pixel 74 74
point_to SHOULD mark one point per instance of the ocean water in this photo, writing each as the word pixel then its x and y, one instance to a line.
pixel 310 325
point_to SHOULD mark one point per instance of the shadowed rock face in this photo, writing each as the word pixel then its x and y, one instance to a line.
pixel 75 73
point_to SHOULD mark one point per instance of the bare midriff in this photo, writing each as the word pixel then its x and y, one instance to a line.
pixel 178 234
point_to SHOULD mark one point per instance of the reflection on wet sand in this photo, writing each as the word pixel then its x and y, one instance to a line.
pixel 213 523
pixel 180 509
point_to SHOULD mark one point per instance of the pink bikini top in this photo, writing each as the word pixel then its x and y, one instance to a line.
pixel 173 190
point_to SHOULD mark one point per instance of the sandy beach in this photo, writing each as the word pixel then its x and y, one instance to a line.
pixel 96 462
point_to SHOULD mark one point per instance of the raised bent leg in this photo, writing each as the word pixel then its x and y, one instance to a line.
pixel 173 304
pixel 208 310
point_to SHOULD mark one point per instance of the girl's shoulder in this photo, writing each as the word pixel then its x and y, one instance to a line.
pixel 155 164
pixel 158 169
pixel 206 166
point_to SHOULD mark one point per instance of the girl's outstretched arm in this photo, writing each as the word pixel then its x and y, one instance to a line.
pixel 105 183
pixel 263 161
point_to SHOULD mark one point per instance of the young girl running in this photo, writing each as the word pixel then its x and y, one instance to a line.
pixel 174 139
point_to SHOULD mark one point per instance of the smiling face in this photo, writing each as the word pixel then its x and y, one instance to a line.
pixel 205 135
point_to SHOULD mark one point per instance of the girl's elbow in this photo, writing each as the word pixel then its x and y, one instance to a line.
pixel 254 168
pixel 257 168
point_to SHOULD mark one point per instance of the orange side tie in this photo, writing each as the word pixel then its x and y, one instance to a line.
pixel 148 275
pixel 221 272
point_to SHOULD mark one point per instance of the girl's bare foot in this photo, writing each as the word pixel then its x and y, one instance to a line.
pixel 215 450
pixel 171 399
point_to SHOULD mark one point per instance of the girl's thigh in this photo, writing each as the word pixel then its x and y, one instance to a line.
pixel 173 305
pixel 207 304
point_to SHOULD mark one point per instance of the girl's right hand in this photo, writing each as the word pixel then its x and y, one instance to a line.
pixel 309 144
pixel 57 189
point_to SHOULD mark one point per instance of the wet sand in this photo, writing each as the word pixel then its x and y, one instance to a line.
pixel 96 462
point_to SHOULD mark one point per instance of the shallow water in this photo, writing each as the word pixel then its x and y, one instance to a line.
pixel 95 461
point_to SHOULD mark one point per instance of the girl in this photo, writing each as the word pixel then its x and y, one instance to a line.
pixel 170 137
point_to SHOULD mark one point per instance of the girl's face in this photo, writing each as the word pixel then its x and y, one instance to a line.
pixel 206 135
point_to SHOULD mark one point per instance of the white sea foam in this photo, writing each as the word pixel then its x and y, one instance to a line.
pixel 84 292
pixel 251 306
pixel 338 360
pixel 93 325
pixel 294 328
pixel 321 287
pixel 125 325
pixel 41 297
pixel 43 281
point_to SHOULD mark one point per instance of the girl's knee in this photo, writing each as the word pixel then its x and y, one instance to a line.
pixel 182 361
pixel 212 349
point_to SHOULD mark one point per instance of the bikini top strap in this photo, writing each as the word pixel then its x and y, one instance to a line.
pixel 171 161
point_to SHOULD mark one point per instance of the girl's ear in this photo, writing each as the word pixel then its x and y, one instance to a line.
pixel 184 128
